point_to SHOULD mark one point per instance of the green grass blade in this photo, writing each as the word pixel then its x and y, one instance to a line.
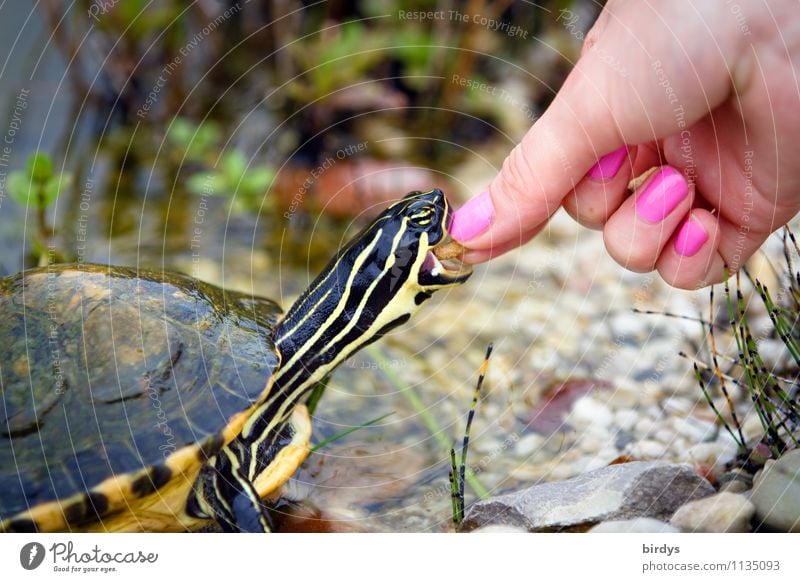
pixel 348 431
pixel 316 395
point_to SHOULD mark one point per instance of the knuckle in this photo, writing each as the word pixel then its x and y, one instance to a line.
pixel 628 253
pixel 678 279
pixel 518 184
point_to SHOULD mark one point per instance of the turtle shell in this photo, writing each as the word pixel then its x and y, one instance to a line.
pixel 117 386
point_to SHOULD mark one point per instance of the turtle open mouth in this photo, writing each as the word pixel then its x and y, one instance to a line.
pixel 442 265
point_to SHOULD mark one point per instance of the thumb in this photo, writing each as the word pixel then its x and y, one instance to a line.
pixel 646 72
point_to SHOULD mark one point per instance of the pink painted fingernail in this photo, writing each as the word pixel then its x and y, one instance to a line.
pixel 691 238
pixel 473 218
pixel 666 189
pixel 608 166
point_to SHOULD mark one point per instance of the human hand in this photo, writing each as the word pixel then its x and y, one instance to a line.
pixel 709 92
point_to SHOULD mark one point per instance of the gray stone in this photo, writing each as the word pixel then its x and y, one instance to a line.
pixel 618 492
pixel 499 529
pixel 637 525
pixel 776 493
pixel 724 512
pixel 736 481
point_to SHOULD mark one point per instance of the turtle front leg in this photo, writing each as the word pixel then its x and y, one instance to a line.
pixel 246 513
pixel 224 493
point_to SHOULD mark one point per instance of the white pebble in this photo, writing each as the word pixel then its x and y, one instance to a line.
pixel 528 444
pixel 644 426
pixel 626 419
pixel 693 428
pixel 677 405
pixel 647 450
pixel 716 454
pixel 588 411
pixel 752 427
pixel 664 435
pixel 630 324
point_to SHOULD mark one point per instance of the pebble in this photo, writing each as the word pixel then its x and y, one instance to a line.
pixel 752 428
pixel 644 425
pixel 694 429
pixel 724 512
pixel 776 493
pixel 628 490
pixel 589 411
pixel 664 435
pixel 736 481
pixel 637 525
pixel 717 454
pixel 647 449
pixel 677 405
pixel 626 419
pixel 529 444
pixel 623 397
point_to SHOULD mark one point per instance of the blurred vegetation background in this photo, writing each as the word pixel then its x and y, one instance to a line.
pixel 267 125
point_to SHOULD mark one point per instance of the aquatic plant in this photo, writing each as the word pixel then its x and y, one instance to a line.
pixel 37 187
pixel 194 142
pixel 772 389
pixel 232 175
pixel 458 469
pixel 246 185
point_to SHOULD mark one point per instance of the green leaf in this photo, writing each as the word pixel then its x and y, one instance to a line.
pixel 255 182
pixel 20 186
pixel 413 46
pixel 208 135
pixel 206 183
pixel 53 187
pixel 234 166
pixel 40 167
pixel 181 132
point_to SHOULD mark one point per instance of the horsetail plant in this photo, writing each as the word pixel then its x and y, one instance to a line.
pixel 773 394
pixel 458 470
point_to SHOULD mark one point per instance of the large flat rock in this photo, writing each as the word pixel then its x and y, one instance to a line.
pixel 617 492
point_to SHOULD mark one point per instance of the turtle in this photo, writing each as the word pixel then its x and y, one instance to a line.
pixel 137 400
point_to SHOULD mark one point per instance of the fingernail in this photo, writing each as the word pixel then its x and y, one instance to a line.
pixel 473 218
pixel 666 189
pixel 608 166
pixel 691 238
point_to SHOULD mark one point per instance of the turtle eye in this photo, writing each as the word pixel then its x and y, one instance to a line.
pixel 422 216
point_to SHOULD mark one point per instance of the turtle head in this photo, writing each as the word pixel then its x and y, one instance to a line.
pixel 420 222
pixel 373 284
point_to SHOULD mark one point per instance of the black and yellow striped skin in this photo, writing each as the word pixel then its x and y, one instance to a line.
pixel 374 284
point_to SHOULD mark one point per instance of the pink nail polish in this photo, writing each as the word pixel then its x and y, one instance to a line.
pixel 691 237
pixel 666 189
pixel 473 218
pixel 608 166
